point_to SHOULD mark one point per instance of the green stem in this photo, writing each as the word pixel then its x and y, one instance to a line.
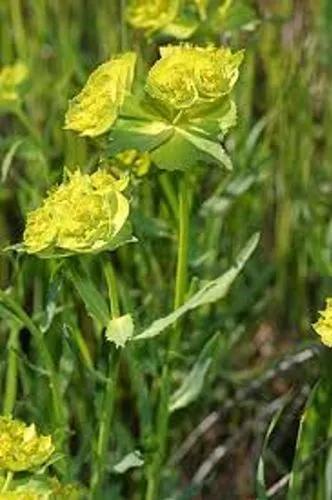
pixel 46 358
pixel 18 28
pixel 8 480
pixel 169 193
pixel 110 392
pixel 11 375
pixel 31 129
pixel 155 468
pixel 124 31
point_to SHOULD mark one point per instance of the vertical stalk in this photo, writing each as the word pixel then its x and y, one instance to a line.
pixel 11 375
pixel 155 468
pixel 18 28
pixel 124 32
pixel 109 394
pixel 46 359
pixel 8 480
pixel 27 124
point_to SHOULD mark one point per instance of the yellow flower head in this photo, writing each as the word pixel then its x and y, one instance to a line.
pixel 152 15
pixel 134 161
pixel 324 325
pixel 11 77
pixel 82 215
pixel 94 110
pixel 21 448
pixel 187 75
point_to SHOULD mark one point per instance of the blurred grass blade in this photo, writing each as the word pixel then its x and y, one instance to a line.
pixel 8 159
pixel 94 301
pixel 261 489
pixel 305 441
pixel 193 384
pixel 211 292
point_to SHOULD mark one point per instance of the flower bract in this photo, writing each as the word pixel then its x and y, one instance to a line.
pixel 94 110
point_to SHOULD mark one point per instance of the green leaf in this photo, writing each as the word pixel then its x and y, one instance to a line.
pixel 211 292
pixel 182 29
pixel 260 476
pixel 211 148
pixel 94 301
pixel 130 461
pixel 236 15
pixel 120 330
pixel 8 159
pixel 213 119
pixel 142 135
pixel 193 384
pixel 314 431
pixel 185 150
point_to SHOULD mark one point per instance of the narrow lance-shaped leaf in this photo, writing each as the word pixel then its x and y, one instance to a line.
pixel 192 385
pixel 211 292
pixel 313 432
pixel 261 490
pixel 92 298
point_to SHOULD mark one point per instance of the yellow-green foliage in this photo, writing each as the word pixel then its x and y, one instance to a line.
pixel 186 75
pixel 94 110
pixel 324 325
pixel 84 214
pixel 21 448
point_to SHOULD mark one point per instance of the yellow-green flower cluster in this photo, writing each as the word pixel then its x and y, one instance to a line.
pixel 11 77
pixel 21 448
pixel 187 75
pixel 84 214
pixel 94 110
pixel 152 15
pixel 50 490
pixel 133 161
pixel 324 325
pixel 23 495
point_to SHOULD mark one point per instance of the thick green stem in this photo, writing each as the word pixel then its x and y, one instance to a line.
pixel 109 395
pixel 162 424
pixel 11 375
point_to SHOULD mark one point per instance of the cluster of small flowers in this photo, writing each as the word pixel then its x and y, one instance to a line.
pixel 81 215
pixel 186 76
pixel 23 450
